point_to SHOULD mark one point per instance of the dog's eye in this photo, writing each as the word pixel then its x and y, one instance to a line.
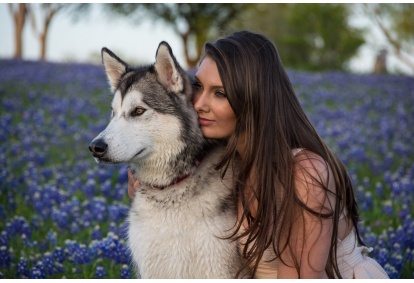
pixel 138 111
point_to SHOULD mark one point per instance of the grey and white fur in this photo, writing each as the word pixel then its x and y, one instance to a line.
pixel 176 230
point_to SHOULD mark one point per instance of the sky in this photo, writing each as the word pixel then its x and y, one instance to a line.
pixel 79 41
pixel 82 41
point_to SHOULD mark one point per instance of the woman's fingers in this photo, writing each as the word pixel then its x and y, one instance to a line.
pixel 133 184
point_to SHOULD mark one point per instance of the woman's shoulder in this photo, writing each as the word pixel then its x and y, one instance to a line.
pixel 305 158
pixel 310 168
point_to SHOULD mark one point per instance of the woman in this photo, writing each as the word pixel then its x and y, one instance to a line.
pixel 296 208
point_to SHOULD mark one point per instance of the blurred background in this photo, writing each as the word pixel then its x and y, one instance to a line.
pixel 358 38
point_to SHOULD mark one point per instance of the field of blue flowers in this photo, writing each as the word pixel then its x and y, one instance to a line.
pixel 63 216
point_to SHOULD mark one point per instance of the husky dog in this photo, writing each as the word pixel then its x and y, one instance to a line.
pixel 183 209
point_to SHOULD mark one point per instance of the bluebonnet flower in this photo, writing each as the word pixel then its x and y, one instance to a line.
pixel 36 222
pixel 18 226
pixel 54 182
pixel 397 260
pixel 81 254
pixel 99 272
pixel 387 208
pixel 74 227
pixel 48 264
pixel 96 233
pixel 106 189
pixel 103 175
pixel 379 189
pixel 117 212
pixel 59 254
pixel 5 257
pixel 36 273
pixel 89 188
pixel 4 239
pixel 122 175
pixel 382 257
pixel 367 202
pixel 404 212
pixel 2 210
pixel 22 268
pixel 61 218
pixel 51 237
pixel 97 207
pixel 408 228
pixel 113 228
pixel 391 271
pixel 125 272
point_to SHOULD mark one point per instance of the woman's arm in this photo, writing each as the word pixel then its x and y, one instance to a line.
pixel 310 237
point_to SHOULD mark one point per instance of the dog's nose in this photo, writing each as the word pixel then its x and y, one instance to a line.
pixel 98 147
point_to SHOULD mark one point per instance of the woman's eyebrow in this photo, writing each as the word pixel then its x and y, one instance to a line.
pixel 211 87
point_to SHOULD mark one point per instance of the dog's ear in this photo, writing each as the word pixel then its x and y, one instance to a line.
pixel 114 68
pixel 167 68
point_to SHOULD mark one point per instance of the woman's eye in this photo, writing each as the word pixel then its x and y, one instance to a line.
pixel 220 94
pixel 197 86
pixel 138 111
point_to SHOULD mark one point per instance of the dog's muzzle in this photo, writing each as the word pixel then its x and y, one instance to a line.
pixel 98 148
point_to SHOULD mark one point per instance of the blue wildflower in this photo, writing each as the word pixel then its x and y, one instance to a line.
pixel 22 268
pixel 18 226
pixel 117 212
pixel 48 264
pixel 5 257
pixel 397 260
pixel 99 272
pixel 61 218
pixel 74 228
pixel 112 228
pixel 36 273
pixel 125 272
pixel 51 237
pixel 382 257
pixel 59 254
pixel 106 189
pixel 391 271
pixel 4 239
pixel 89 188
pixel 96 233
pixel 81 254
pixel 387 208
pixel 379 189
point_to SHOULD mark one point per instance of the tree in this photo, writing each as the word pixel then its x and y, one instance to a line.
pixel 18 12
pixel 396 23
pixel 308 36
pixel 46 13
pixel 194 23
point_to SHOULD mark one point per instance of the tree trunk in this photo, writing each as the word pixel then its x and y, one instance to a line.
pixel 19 18
pixel 191 62
pixel 52 10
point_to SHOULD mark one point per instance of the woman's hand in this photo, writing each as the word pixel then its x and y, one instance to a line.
pixel 133 184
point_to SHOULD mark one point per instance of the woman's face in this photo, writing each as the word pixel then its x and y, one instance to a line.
pixel 215 115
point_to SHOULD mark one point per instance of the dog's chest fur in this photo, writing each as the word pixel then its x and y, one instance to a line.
pixel 175 232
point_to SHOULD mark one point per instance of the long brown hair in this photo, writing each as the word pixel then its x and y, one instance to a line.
pixel 272 122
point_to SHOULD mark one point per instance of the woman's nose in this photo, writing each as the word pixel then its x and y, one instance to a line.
pixel 200 102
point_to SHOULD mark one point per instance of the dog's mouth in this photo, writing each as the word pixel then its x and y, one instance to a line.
pixel 106 159
pixel 138 153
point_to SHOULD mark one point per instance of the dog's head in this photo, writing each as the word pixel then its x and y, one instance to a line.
pixel 152 114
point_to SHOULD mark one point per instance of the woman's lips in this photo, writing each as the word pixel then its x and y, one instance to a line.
pixel 205 122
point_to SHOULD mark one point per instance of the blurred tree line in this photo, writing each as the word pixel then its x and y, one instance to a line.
pixel 315 36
